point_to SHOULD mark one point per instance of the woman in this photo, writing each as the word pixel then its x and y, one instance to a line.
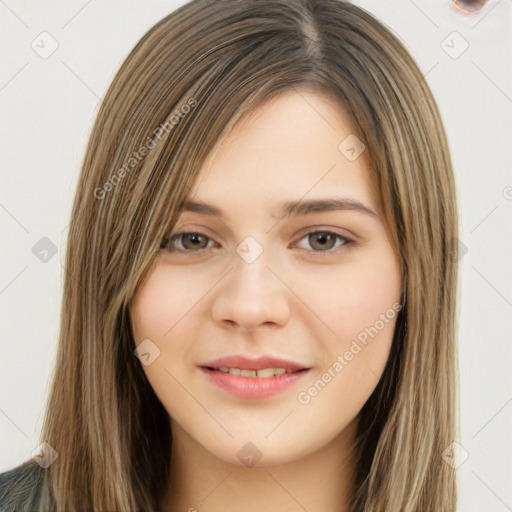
pixel 210 357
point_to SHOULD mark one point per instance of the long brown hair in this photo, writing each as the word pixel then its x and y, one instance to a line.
pixel 189 79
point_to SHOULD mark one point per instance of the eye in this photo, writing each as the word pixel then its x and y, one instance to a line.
pixel 196 239
pixel 320 241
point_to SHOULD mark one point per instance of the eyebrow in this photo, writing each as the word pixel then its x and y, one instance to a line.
pixel 291 208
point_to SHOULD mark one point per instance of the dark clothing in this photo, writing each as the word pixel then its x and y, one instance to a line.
pixel 21 488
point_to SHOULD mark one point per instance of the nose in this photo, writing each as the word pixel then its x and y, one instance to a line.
pixel 251 295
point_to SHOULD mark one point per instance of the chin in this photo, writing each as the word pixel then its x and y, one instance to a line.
pixel 257 454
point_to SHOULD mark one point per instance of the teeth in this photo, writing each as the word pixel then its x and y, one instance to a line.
pixel 265 373
pixel 261 374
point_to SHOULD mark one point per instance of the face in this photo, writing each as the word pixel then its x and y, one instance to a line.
pixel 318 288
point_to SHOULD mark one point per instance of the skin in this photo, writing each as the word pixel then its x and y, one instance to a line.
pixel 294 301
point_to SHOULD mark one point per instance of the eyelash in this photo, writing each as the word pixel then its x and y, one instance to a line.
pixel 166 241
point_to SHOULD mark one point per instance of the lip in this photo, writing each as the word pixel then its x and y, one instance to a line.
pixel 259 363
pixel 253 387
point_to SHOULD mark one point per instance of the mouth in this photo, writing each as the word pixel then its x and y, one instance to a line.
pixel 254 384
pixel 238 363
pixel 263 373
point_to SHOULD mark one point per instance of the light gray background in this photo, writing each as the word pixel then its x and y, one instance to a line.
pixel 48 106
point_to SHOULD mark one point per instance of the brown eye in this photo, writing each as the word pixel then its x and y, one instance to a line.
pixel 325 241
pixel 322 240
pixel 187 242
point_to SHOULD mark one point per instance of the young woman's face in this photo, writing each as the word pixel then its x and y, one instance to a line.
pixel 319 290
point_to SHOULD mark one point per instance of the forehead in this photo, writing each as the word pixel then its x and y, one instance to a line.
pixel 291 147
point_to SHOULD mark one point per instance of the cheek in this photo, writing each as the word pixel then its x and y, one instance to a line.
pixel 356 303
pixel 354 296
pixel 154 315
pixel 150 312
pixel 168 311
pixel 162 304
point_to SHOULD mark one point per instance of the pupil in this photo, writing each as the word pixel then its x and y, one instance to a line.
pixel 322 237
pixel 195 238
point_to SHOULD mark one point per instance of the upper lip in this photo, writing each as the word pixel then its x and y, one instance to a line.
pixel 259 363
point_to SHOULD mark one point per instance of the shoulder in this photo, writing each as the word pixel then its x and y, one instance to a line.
pixel 20 487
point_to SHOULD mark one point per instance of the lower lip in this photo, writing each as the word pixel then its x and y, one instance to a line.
pixel 253 387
